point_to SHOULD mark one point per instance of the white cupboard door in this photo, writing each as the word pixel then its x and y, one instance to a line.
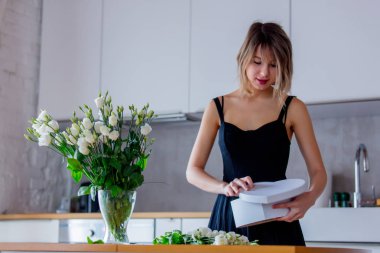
pixel 336 49
pixel 29 231
pixel 191 224
pixel 146 53
pixel 167 225
pixel 70 55
pixel 141 230
pixel 218 30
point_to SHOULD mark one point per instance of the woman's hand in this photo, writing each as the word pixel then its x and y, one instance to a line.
pixel 297 207
pixel 237 185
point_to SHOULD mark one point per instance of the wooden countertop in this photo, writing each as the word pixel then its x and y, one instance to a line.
pixel 136 215
pixel 59 247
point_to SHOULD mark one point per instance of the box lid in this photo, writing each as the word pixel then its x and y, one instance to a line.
pixel 272 192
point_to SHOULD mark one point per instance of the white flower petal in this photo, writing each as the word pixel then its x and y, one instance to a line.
pixel 99 101
pixel 44 140
pixel 114 135
pixel 146 129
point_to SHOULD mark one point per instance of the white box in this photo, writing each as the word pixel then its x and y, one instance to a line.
pixel 255 206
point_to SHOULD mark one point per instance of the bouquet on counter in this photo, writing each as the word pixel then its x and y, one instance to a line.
pixel 203 236
pixel 96 147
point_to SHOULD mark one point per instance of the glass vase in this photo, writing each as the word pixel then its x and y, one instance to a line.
pixel 116 212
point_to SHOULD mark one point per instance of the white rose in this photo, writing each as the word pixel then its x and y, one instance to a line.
pixel 205 231
pixel 90 138
pixel 43 116
pixel 243 240
pixel 82 142
pixel 221 240
pixel 114 135
pixel 221 232
pixel 44 129
pixel 44 140
pixel 104 130
pixel 99 101
pixel 97 126
pixel 87 123
pixel 84 150
pixel 72 140
pixel 54 125
pixel 146 129
pixel 36 126
pixel 87 132
pixel 74 129
pixel 112 120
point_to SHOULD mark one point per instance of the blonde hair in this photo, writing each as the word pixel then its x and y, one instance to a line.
pixel 273 37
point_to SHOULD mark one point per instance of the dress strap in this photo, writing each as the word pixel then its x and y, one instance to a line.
pixel 284 110
pixel 220 108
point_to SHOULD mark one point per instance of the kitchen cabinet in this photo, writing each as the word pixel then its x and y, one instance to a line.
pixel 29 231
pixel 218 30
pixel 342 228
pixel 336 49
pixel 190 224
pixel 166 225
pixel 77 230
pixel 145 56
pixel 70 55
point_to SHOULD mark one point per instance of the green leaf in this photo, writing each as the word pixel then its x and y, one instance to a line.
pixel 84 190
pixel 176 238
pixel 142 162
pixel 115 163
pixel 136 180
pixel 76 175
pixel 74 164
pixel 89 241
pixel 255 242
pixel 115 190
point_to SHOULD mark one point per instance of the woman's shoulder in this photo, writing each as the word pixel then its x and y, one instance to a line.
pixel 297 110
pixel 296 103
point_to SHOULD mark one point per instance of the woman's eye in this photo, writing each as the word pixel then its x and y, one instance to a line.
pixel 256 62
pixel 273 65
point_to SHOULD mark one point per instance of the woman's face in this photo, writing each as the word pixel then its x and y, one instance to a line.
pixel 262 69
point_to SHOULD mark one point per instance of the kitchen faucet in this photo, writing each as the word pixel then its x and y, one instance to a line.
pixel 357 194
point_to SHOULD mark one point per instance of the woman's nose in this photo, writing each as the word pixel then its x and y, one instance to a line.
pixel 264 70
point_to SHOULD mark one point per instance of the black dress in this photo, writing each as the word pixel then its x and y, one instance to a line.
pixel 263 155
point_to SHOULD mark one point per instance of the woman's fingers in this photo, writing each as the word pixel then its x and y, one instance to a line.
pixel 240 183
pixel 237 185
pixel 248 181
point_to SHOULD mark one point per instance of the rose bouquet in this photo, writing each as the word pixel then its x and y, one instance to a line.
pixel 96 148
pixel 203 236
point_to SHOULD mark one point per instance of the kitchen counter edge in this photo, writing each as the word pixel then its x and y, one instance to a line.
pixel 136 215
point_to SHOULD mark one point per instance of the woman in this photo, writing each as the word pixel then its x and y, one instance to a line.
pixel 256 123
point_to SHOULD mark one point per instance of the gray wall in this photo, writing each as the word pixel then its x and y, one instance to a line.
pixel 30 181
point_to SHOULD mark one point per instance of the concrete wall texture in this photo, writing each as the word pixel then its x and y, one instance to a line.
pixel 34 179
pixel 29 180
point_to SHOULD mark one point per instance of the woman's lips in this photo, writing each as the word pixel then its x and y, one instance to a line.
pixel 262 81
